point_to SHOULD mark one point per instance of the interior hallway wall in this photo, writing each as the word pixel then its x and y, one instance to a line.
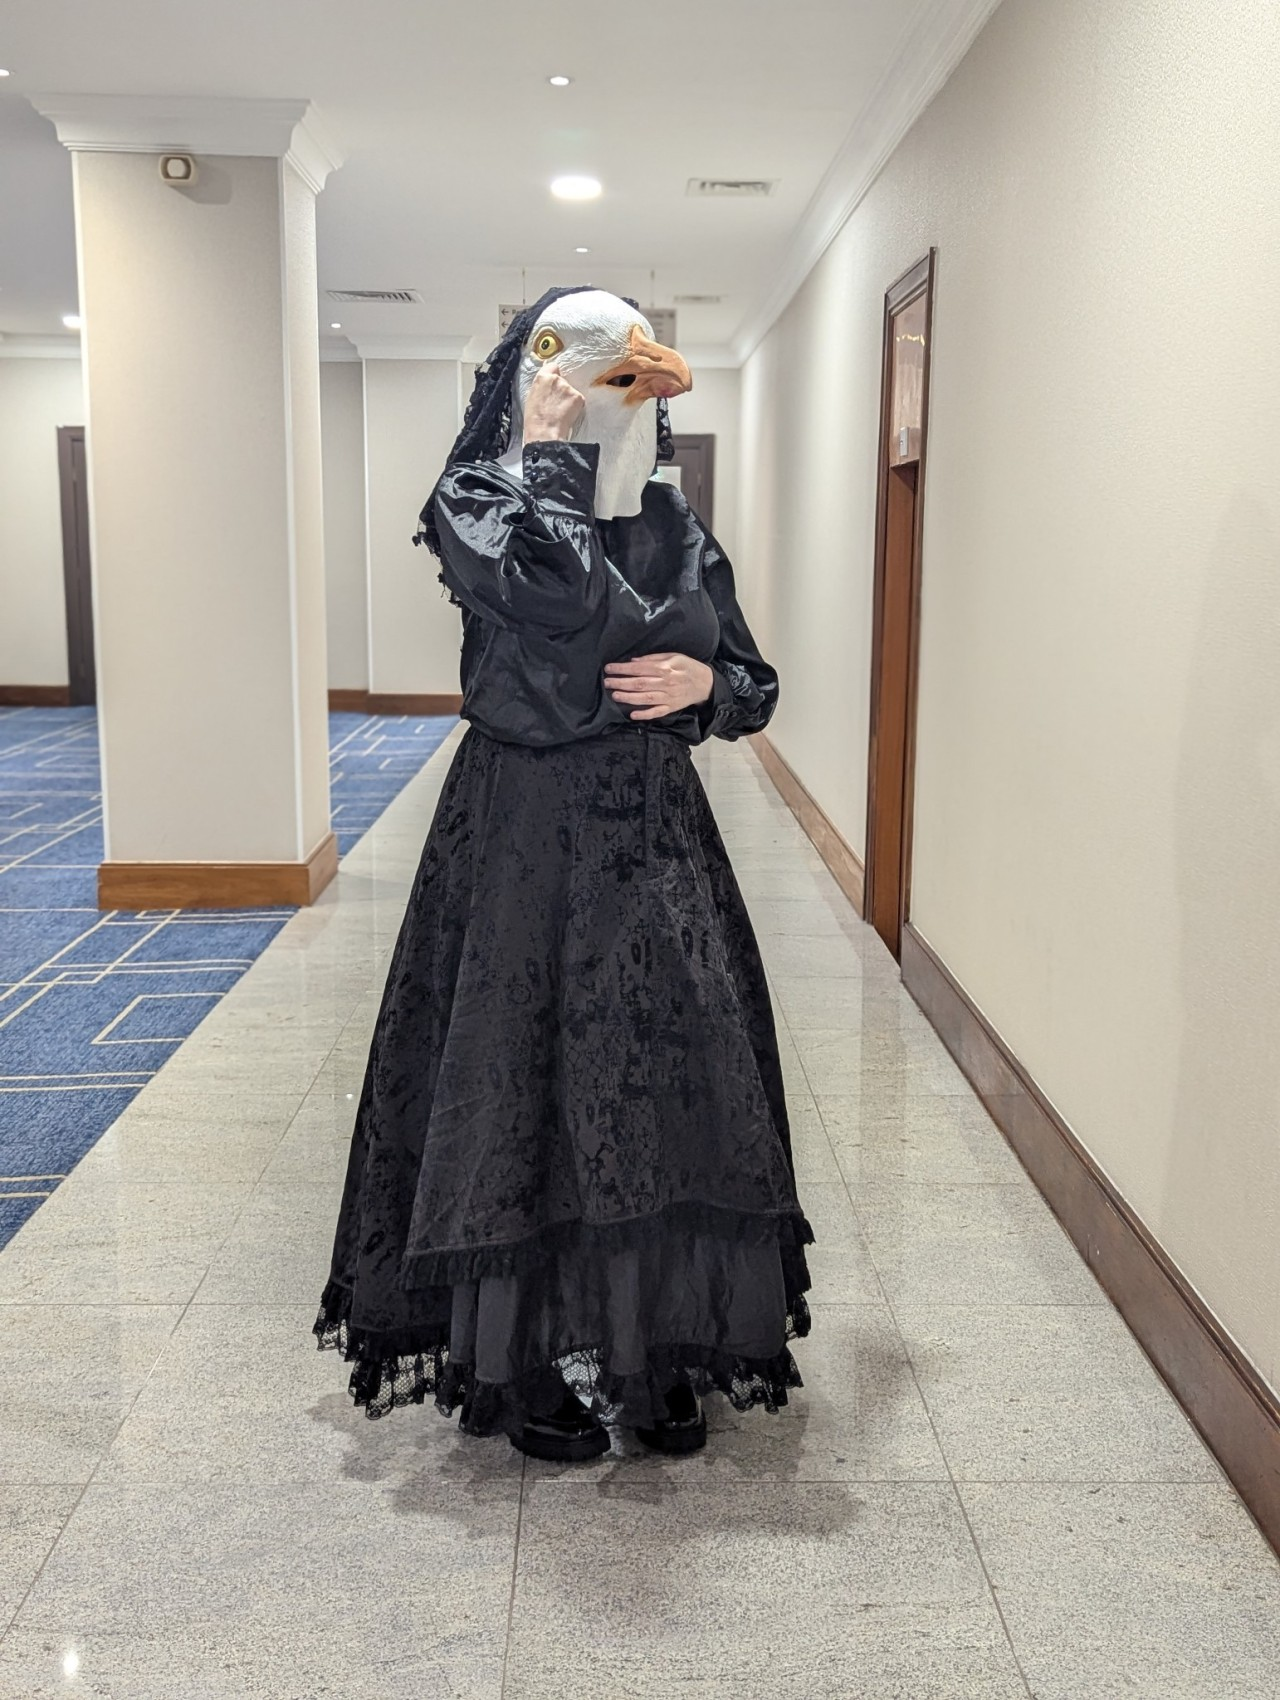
pixel 411 420
pixel 36 397
pixel 714 405
pixel 346 576
pixel 1098 784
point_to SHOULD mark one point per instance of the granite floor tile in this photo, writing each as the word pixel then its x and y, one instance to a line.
pixel 643 1590
pixel 975 1245
pixel 1048 1393
pixel 279 1249
pixel 927 1137
pixel 810 1147
pixel 242 1394
pixel 102 1240
pixel 876 1064
pixel 394 1588
pixel 68 1376
pixel 839 1260
pixel 1134 1591
pixel 31 1519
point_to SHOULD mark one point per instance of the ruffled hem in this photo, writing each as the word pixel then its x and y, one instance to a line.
pixel 789 1231
pixel 392 1369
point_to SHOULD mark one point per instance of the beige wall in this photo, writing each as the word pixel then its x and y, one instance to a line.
pixel 36 396
pixel 346 578
pixel 411 420
pixel 713 405
pixel 1098 793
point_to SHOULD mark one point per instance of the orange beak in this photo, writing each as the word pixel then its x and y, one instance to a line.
pixel 653 369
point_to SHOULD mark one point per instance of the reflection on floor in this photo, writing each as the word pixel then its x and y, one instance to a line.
pixel 983 1491
pixel 93 1003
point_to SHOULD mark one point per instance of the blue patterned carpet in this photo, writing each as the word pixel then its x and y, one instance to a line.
pixel 93 1002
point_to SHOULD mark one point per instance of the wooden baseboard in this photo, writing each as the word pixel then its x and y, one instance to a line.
pixel 35 696
pixel 836 852
pixel 217 885
pixel 1233 1408
pixel 395 702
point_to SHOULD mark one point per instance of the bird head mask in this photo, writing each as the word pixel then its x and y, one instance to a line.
pixel 604 346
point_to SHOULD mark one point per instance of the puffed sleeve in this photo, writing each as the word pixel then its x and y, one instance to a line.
pixel 745 691
pixel 524 556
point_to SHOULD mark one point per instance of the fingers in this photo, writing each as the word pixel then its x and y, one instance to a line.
pixel 642 663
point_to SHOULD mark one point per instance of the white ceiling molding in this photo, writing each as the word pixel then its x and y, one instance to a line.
pixel 411 347
pixel 197 124
pixel 940 36
pixel 335 353
pixel 18 347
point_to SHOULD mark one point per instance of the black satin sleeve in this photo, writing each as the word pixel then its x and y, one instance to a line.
pixel 525 556
pixel 745 691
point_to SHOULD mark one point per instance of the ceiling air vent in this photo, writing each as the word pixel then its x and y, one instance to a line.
pixel 395 296
pixel 698 300
pixel 716 187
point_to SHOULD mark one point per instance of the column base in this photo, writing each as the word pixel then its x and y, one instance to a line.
pixel 217 885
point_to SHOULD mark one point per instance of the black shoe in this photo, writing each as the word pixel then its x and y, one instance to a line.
pixel 570 1435
pixel 684 1429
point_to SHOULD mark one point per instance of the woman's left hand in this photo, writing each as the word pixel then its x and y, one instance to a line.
pixel 654 685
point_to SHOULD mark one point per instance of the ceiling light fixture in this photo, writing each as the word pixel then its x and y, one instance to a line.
pixel 336 325
pixel 582 250
pixel 72 321
pixel 559 82
pixel 575 188
pixel 4 73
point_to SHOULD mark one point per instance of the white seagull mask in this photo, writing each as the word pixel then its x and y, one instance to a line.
pixel 605 349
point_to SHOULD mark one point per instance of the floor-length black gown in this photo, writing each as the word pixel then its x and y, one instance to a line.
pixel 571 1156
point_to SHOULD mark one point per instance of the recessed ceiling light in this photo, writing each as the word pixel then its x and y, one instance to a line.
pixel 575 188
pixel 72 321
pixel 4 73
pixel 560 82
pixel 335 326
pixel 582 250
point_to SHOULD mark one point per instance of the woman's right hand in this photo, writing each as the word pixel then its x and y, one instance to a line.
pixel 552 407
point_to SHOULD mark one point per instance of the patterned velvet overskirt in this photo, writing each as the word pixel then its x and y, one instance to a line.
pixel 571 1158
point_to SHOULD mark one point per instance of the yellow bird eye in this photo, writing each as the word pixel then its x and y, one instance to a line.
pixel 545 344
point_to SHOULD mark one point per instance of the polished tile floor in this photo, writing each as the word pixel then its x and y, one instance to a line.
pixel 983 1491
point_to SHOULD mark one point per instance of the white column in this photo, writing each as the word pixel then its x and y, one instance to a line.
pixel 202 379
pixel 411 413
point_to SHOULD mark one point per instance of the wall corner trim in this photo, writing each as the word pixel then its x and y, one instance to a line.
pixel 1224 1395
pixel 940 35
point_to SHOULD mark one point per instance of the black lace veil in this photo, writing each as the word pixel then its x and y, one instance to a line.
pixel 486 426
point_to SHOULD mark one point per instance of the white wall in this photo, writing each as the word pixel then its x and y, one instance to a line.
pixel 346 579
pixel 411 420
pixel 1097 852
pixel 36 397
pixel 713 405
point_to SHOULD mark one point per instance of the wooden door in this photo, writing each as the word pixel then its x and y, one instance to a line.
pixel 904 413
pixel 76 571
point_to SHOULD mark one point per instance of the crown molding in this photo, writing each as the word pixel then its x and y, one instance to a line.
pixel 197 124
pixel 411 347
pixel 21 346
pixel 940 35
pixel 338 353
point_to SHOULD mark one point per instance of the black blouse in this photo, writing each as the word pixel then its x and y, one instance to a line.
pixel 549 594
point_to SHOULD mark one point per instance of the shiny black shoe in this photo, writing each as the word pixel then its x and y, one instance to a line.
pixel 684 1429
pixel 569 1435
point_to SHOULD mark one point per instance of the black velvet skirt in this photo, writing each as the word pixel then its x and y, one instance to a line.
pixel 571 1159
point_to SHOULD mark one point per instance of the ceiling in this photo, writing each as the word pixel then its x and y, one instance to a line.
pixel 451 134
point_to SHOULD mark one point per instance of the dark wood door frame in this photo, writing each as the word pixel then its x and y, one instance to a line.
pixel 76 566
pixel 881 881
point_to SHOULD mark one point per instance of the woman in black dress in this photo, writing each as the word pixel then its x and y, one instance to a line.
pixel 571 1199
